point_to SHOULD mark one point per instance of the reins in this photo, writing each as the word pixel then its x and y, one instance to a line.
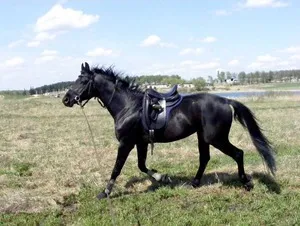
pixel 77 99
pixel 101 103
pixel 112 213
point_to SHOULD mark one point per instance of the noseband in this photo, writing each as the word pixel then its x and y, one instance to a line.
pixel 89 86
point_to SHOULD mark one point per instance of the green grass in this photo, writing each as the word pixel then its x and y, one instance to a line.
pixel 279 86
pixel 50 173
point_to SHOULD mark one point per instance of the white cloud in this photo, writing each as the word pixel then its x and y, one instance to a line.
pixel 167 45
pixel 187 69
pixel 222 12
pixel 188 62
pixel 13 62
pixel 151 41
pixel 154 40
pixel 187 51
pixel 15 43
pixel 284 63
pixel 33 43
pixel 219 69
pixel 266 58
pixel 295 57
pixel 233 62
pixel 46 56
pixel 291 49
pixel 44 36
pixel 44 59
pixel 48 52
pixel 264 62
pixel 209 39
pixel 102 52
pixel 209 65
pixel 264 3
pixel 60 18
pixel 196 65
pixel 255 65
pixel 267 62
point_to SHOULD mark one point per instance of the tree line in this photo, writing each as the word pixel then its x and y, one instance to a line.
pixel 56 87
pixel 261 76
pixel 199 83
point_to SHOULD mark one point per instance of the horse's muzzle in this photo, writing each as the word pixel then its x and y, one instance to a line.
pixel 67 100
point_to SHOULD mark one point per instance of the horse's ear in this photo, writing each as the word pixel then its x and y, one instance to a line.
pixel 87 67
pixel 82 67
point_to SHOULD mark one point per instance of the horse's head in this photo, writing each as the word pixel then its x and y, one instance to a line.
pixel 82 89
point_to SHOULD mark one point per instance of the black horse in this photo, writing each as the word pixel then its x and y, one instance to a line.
pixel 208 115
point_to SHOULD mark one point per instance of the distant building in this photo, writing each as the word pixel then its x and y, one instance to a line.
pixel 157 86
pixel 186 85
pixel 232 81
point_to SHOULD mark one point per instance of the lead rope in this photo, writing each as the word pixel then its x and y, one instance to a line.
pixel 111 211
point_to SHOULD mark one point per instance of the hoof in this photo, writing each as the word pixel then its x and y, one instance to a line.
pixel 154 170
pixel 196 183
pixel 249 186
pixel 101 195
pixel 166 179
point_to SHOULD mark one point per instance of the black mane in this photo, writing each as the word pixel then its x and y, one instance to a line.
pixel 126 82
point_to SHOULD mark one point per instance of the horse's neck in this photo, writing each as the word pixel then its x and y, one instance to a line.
pixel 116 105
pixel 116 102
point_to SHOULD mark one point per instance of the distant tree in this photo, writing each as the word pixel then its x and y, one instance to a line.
pixel 31 91
pixel 271 76
pixel 228 75
pixel 210 79
pixel 256 77
pixel 263 77
pixel 221 76
pixel 242 77
pixel 199 83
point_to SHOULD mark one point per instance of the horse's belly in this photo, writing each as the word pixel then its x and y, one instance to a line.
pixel 175 130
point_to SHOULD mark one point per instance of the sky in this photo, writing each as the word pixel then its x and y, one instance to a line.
pixel 44 42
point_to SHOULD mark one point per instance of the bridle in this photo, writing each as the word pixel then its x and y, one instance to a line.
pixel 89 86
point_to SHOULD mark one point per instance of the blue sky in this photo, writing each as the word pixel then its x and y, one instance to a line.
pixel 44 42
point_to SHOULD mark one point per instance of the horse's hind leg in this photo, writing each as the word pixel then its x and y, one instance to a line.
pixel 238 155
pixel 204 157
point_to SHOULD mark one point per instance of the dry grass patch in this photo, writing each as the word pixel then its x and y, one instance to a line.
pixel 47 156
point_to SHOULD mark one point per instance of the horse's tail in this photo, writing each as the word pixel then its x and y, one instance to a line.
pixel 262 144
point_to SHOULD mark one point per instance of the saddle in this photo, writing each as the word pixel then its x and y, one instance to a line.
pixel 157 107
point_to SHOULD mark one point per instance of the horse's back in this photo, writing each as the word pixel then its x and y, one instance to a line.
pixel 198 113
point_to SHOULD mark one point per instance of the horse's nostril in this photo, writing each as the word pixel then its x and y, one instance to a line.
pixel 66 100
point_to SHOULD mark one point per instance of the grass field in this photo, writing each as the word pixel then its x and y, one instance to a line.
pixel 50 172
pixel 280 86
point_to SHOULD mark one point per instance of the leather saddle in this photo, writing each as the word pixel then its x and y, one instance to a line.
pixel 157 107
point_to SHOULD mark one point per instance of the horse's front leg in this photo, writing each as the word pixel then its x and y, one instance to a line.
pixel 142 149
pixel 123 152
